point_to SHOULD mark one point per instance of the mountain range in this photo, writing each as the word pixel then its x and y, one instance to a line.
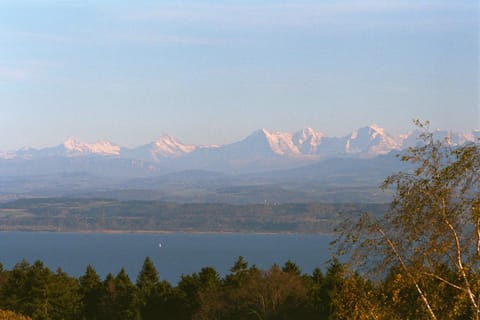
pixel 306 144
pixel 265 167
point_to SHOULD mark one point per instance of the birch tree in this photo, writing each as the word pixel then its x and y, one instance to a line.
pixel 433 223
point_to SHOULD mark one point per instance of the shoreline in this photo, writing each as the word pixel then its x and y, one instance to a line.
pixel 159 232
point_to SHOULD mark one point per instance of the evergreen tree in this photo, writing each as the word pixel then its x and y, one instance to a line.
pixel 149 292
pixel 13 293
pixel 188 289
pixel 35 291
pixel 148 278
pixel 208 278
pixel 90 294
pixel 238 272
pixel 315 296
pixel 329 289
pixel 108 309
pixel 193 289
pixel 125 301
pixel 64 297
pixel 291 267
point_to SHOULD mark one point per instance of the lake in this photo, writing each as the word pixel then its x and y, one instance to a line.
pixel 173 254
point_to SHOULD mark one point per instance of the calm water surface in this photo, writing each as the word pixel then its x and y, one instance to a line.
pixel 173 254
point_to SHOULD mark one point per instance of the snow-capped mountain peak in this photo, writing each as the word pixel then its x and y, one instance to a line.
pixel 168 146
pixel 72 143
pixel 280 143
pixel 307 140
pixel 376 128
pixel 371 132
pixel 165 147
pixel 371 140
pixel 74 146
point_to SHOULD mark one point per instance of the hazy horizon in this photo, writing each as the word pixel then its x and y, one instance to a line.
pixel 212 72
pixel 168 134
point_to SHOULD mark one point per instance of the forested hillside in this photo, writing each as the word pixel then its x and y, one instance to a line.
pixel 111 215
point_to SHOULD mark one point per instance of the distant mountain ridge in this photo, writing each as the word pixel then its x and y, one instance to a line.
pixel 265 167
pixel 261 150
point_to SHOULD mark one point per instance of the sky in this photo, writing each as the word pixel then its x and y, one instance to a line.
pixel 212 72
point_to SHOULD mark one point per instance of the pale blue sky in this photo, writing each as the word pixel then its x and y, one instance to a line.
pixel 211 72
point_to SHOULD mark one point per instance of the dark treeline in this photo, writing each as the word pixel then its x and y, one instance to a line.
pixel 245 293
